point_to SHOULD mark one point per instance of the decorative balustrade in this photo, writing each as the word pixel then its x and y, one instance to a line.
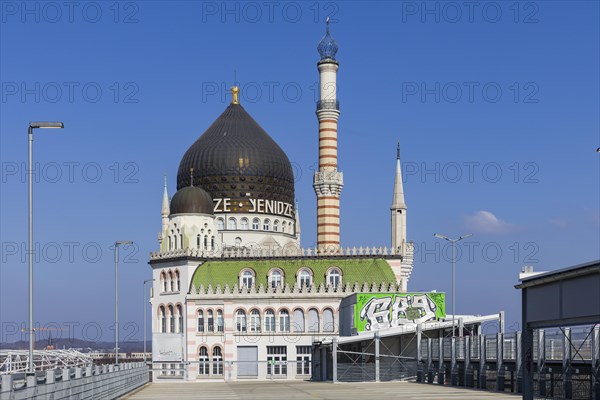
pixel 285 252
pixel 320 290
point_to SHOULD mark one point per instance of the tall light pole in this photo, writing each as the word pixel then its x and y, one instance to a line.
pixel 453 241
pixel 144 308
pixel 32 126
pixel 117 244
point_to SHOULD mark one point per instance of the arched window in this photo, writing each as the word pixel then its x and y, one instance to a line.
pixel 304 278
pixel 220 321
pixel 267 225
pixel 238 241
pixel 203 361
pixel 170 242
pixel 211 321
pixel 283 226
pixel 212 242
pixel 298 320
pixel 247 278
pixel 244 224
pixel 284 321
pixel 254 325
pixel 240 321
pixel 334 278
pixel 171 319
pixel 177 281
pixel 163 281
pixel 276 225
pixel 231 224
pixel 275 278
pixel 328 320
pixel 163 319
pixel 179 318
pixel 255 224
pixel 269 321
pixel 171 283
pixel 220 224
pixel 313 320
pixel 180 241
pixel 217 361
pixel 200 321
pixel 205 242
pixel 198 242
pixel 175 241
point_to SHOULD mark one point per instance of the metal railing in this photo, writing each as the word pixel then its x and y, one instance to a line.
pixel 566 362
pixel 91 382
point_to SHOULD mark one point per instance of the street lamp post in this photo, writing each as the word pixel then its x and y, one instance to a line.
pixel 32 126
pixel 144 308
pixel 453 241
pixel 117 244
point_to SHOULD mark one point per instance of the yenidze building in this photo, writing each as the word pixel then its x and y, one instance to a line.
pixel 235 295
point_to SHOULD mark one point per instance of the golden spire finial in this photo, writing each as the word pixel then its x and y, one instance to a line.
pixel 235 90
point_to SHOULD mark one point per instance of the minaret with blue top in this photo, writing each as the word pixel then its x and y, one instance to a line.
pixel 328 181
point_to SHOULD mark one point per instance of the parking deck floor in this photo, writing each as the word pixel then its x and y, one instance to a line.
pixel 287 390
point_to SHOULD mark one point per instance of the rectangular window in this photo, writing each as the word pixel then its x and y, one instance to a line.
pixel 276 360
pixel 303 355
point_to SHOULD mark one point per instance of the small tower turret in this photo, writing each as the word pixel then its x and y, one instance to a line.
pixel 165 211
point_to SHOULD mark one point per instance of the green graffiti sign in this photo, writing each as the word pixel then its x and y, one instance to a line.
pixel 374 311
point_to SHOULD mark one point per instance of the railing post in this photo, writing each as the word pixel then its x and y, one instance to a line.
pixel 334 358
pixel 441 371
pixel 518 388
pixel 541 364
pixel 50 376
pixel 468 378
pixel 595 362
pixel 420 378
pixel 500 361
pixel 376 338
pixel 482 352
pixel 566 364
pixel 66 374
pixel 453 371
pixel 7 387
pixel 429 361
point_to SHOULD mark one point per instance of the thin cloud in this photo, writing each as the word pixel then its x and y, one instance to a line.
pixel 558 222
pixel 486 222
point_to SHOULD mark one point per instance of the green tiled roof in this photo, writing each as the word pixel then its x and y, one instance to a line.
pixel 366 270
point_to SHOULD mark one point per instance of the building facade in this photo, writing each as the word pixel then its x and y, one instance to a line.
pixel 235 296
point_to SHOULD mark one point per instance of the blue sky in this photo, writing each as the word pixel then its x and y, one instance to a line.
pixel 496 108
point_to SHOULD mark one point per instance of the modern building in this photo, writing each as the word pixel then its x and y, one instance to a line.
pixel 235 294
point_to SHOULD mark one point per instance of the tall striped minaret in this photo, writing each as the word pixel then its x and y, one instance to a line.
pixel 328 181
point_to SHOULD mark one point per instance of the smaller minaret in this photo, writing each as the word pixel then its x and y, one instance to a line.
pixel 398 210
pixel 165 210
pixel 297 215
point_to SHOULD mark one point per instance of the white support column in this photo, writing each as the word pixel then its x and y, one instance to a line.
pixel 334 359
pixel 468 361
pixel 566 364
pixel 377 339
pixel 482 375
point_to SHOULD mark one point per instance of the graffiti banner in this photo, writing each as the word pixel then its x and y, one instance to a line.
pixel 374 311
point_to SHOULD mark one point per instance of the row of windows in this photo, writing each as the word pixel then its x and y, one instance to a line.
pixel 304 277
pixel 276 226
pixel 204 364
pixel 269 321
pixel 169 281
pixel 170 319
